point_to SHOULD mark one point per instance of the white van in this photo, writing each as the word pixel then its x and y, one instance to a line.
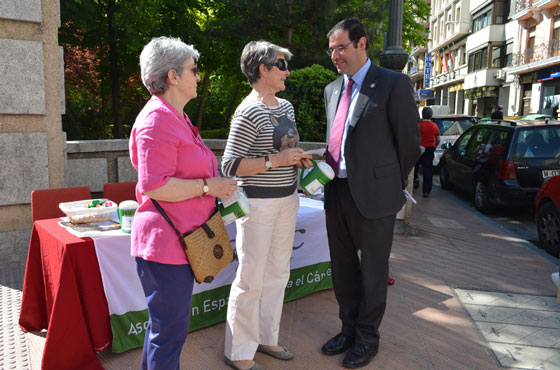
pixel 438 110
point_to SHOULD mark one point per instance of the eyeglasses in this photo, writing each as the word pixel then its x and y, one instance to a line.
pixel 194 69
pixel 340 49
pixel 281 64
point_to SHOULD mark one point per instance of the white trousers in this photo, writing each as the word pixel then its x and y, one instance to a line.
pixel 264 245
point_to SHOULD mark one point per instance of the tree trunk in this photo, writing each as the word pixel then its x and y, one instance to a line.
pixel 114 72
pixel 203 96
pixel 290 25
pixel 231 107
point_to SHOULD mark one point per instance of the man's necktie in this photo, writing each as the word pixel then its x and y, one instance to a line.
pixel 335 139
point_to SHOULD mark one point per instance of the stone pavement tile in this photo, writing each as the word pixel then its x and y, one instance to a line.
pixel 524 357
pixel 542 303
pixel 478 297
pixel 550 364
pixel 553 321
pixel 504 333
pixel 543 319
pixel 516 300
pixel 543 337
pixel 491 313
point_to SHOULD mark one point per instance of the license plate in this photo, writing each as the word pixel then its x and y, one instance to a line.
pixel 549 173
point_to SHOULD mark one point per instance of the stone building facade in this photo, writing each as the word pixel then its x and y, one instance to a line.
pixel 31 103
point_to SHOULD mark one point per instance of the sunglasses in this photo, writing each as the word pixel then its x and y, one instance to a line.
pixel 194 69
pixel 281 64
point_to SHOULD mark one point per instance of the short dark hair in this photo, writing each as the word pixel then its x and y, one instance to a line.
pixel 356 30
pixel 427 113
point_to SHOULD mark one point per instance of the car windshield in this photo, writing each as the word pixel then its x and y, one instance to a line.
pixel 541 142
pixel 454 125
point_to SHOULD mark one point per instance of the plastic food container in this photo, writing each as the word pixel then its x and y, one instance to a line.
pixel 89 210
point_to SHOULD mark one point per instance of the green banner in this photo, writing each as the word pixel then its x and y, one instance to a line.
pixel 128 330
pixel 210 307
pixel 307 280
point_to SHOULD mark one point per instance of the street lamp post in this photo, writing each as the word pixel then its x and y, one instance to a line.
pixel 394 56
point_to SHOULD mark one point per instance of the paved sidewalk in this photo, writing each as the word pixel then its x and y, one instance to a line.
pixel 467 296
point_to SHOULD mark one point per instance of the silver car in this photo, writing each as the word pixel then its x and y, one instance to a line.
pixel 450 128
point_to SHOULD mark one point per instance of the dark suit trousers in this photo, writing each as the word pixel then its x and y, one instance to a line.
pixel 360 283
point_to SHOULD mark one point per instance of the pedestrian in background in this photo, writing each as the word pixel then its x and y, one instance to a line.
pixel 373 144
pixel 498 113
pixel 430 140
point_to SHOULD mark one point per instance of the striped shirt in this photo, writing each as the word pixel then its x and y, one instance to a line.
pixel 258 130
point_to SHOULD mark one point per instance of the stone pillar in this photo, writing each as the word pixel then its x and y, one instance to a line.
pixel 31 103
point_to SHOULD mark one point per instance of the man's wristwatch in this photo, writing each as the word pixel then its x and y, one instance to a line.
pixel 205 188
pixel 267 162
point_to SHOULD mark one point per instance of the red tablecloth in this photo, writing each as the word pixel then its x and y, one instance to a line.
pixel 63 293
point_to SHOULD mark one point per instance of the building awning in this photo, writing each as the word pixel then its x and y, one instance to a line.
pixel 482 92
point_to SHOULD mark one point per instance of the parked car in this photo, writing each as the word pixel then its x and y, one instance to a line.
pixel 547 211
pixel 450 128
pixel 506 118
pixel 502 164
pixel 538 117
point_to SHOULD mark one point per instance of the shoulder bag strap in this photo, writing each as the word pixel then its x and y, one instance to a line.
pixel 160 209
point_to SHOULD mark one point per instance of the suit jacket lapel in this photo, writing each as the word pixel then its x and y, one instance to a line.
pixel 365 94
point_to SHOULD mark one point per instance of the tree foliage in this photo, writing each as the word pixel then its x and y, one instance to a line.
pixel 304 89
pixel 102 40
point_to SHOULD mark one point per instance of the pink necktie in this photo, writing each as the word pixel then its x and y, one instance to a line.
pixel 335 139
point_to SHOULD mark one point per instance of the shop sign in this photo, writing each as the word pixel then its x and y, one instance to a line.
pixel 426 94
pixel 427 69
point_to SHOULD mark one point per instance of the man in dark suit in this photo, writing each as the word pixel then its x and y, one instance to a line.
pixel 373 135
pixel 498 113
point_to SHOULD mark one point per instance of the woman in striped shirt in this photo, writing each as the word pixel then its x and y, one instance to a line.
pixel 261 152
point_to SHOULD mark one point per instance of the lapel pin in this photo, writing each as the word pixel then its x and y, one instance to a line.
pixel 372 86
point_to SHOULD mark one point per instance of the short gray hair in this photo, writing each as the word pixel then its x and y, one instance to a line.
pixel 256 53
pixel 161 55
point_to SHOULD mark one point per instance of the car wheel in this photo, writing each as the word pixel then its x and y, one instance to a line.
pixel 444 178
pixel 548 226
pixel 482 198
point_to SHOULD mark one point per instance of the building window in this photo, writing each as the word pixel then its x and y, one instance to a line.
pixel 530 45
pixel 555 41
pixel 478 60
pixel 509 54
pixel 497 56
pixel 463 55
pixel 481 21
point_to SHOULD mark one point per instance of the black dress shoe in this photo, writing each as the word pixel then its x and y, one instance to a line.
pixel 359 355
pixel 340 343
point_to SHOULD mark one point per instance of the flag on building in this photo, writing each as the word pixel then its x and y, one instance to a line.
pixel 445 67
pixel 451 62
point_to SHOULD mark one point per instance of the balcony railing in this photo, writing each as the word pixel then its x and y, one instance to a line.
pixel 415 70
pixel 537 53
pixel 521 5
